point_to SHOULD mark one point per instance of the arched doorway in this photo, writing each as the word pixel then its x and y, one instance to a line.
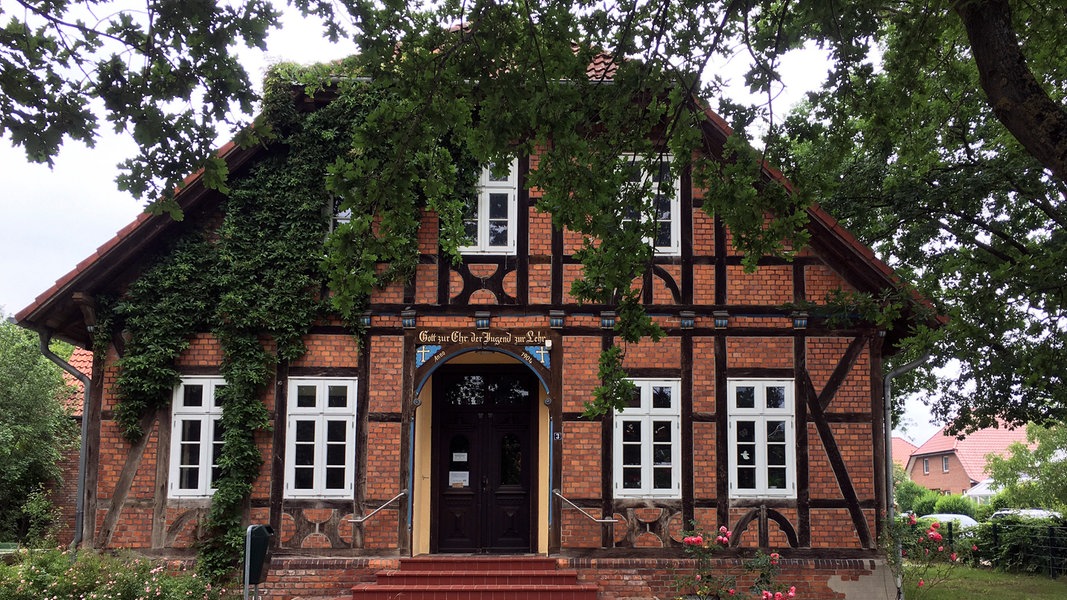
pixel 484 466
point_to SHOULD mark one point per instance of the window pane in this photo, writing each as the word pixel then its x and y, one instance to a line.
pixel 498 233
pixel 661 396
pixel 190 454
pixel 661 454
pixel 631 431
pixel 510 460
pixel 189 478
pixel 776 478
pixel 305 396
pixel 746 478
pixel 776 454
pixel 663 207
pixel 335 478
pixel 498 206
pixel 305 431
pixel 776 397
pixel 746 397
pixel 661 431
pixel 336 431
pixel 338 396
pixel 503 176
pixel 661 478
pixel 304 478
pixel 193 395
pixel 335 454
pixel 746 431
pixel 635 399
pixel 470 232
pixel 631 478
pixel 631 454
pixel 775 431
pixel 746 454
pixel 305 454
pixel 663 234
pixel 190 430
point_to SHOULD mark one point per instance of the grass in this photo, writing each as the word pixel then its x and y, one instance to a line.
pixel 966 582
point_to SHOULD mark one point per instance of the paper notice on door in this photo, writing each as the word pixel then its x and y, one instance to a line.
pixel 459 457
pixel 459 479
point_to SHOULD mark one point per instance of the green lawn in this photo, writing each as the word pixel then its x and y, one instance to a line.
pixel 985 584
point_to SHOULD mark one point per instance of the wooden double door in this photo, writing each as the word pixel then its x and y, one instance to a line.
pixel 484 459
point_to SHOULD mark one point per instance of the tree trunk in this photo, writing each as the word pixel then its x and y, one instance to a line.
pixel 1017 98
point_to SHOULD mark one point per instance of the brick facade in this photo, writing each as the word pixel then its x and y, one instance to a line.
pixel 722 323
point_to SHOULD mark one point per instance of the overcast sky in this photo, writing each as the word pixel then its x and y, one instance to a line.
pixel 51 219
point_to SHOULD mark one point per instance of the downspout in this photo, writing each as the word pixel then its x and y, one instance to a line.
pixel 79 514
pixel 887 396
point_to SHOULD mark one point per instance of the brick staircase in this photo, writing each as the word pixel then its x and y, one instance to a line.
pixel 476 578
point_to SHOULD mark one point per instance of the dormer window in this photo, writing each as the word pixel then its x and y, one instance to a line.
pixel 666 201
pixel 490 219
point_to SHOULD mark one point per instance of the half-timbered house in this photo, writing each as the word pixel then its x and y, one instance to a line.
pixel 453 423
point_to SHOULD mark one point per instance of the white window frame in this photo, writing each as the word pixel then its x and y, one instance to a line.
pixel 646 415
pixel 487 188
pixel 944 464
pixel 674 248
pixel 762 415
pixel 926 466
pixel 321 414
pixel 208 416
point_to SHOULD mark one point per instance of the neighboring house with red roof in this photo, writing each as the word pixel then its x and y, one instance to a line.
pixel 902 450
pixel 953 466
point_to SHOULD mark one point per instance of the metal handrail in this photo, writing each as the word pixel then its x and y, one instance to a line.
pixel 364 518
pixel 595 520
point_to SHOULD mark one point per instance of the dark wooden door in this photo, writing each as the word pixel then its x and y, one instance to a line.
pixel 483 460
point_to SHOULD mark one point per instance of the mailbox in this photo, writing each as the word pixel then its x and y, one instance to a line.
pixel 257 553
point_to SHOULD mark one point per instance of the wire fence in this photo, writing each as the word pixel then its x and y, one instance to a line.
pixel 1016 545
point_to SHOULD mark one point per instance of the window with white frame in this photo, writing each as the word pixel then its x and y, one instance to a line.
pixel 647 443
pixel 338 216
pixel 196 437
pixel 666 200
pixel 490 219
pixel 944 464
pixel 762 438
pixel 320 438
pixel 926 466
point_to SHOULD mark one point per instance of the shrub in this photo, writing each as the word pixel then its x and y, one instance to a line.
pixel 36 574
pixel 982 512
pixel 907 493
pixel 954 504
pixel 925 504
pixel 1020 545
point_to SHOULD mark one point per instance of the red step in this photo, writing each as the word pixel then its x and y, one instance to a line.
pixel 476 578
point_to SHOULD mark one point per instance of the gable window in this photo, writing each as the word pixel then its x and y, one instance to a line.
pixel 490 218
pixel 762 438
pixel 944 464
pixel 647 445
pixel 196 437
pixel 666 201
pixel 320 438
pixel 926 466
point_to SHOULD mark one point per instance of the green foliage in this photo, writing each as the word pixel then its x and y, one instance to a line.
pixel 1019 545
pixel 955 504
pixel 32 575
pixel 926 503
pixel 907 492
pixel 1034 477
pixel 35 430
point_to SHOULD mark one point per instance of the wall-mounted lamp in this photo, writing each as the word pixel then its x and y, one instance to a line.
pixel 482 319
pixel 607 319
pixel 722 319
pixel 688 319
pixel 364 319
pixel 407 319
pixel 555 319
pixel 800 320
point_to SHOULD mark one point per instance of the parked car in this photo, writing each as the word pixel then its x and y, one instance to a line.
pixel 962 521
pixel 1025 513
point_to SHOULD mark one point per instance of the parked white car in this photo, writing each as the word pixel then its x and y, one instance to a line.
pixel 1026 513
pixel 962 521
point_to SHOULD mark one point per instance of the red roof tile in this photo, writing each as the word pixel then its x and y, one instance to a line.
pixel 81 360
pixel 972 450
pixel 902 450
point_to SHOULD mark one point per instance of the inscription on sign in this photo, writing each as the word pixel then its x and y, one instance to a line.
pixel 493 338
pixel 529 343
